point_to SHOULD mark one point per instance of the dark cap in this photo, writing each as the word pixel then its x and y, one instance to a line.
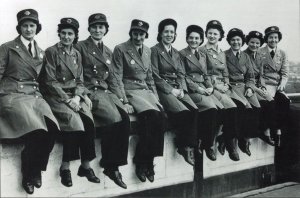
pixel 69 22
pixel 30 14
pixel 195 28
pixel 255 34
pixel 166 22
pixel 235 32
pixel 215 24
pixel 137 24
pixel 272 29
pixel 98 18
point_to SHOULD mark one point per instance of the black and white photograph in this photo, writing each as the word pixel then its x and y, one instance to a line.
pixel 150 98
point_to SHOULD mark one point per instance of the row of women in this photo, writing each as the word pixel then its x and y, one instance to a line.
pixel 75 90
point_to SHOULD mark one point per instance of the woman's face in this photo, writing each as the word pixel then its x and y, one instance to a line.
pixel 67 36
pixel 194 40
pixel 236 43
pixel 138 37
pixel 273 40
pixel 168 34
pixel 28 29
pixel 213 36
pixel 97 31
pixel 254 44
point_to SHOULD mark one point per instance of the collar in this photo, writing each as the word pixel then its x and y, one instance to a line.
pixel 166 47
pixel 96 42
pixel 62 47
pixel 193 50
pixel 213 47
pixel 234 52
pixel 270 49
pixel 26 42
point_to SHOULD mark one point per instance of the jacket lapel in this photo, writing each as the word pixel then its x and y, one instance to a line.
pixel 132 52
pixel 255 60
pixel 270 61
pixel 61 55
pixel 96 53
pixel 192 58
pixel 234 61
pixel 165 55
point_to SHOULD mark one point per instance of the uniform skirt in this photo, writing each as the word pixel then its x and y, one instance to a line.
pixel 21 114
pixel 239 90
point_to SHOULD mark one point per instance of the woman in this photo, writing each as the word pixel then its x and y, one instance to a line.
pixel 200 89
pixel 241 77
pixel 136 89
pixel 62 85
pixel 275 64
pixel 255 40
pixel 110 117
pixel 218 74
pixel 169 77
pixel 24 113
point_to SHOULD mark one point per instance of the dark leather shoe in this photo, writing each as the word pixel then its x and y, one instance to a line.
pixel 89 174
pixel 150 173
pixel 140 172
pixel 267 139
pixel 66 178
pixel 221 145
pixel 116 177
pixel 210 153
pixel 233 155
pixel 244 147
pixel 188 155
pixel 37 179
pixel 28 186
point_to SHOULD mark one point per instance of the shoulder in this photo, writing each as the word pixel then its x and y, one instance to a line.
pixel 183 52
pixel 107 49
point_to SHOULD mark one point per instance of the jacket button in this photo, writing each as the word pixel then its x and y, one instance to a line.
pixel 21 86
pixel 106 72
pixel 105 91
pixel 74 79
pixel 33 79
pixel 135 81
pixel 95 66
pixel 36 96
pixel 96 81
pixel 64 78
pixel 96 88
pixel 173 73
pixel 34 87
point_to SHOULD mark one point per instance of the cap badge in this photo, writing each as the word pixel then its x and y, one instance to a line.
pixel 97 16
pixel 257 34
pixel 27 12
pixel 69 20
pixel 215 22
pixel 234 30
pixel 272 28
pixel 140 23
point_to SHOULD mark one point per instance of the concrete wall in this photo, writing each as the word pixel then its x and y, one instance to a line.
pixel 170 169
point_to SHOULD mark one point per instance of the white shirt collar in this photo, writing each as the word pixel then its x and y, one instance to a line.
pixel 26 43
pixel 167 48
pixel 96 42
pixel 234 52
pixel 270 49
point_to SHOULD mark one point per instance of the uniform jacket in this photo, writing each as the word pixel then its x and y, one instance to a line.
pixel 196 70
pixel 276 69
pixel 131 71
pixel 96 64
pixel 62 76
pixel 240 70
pixel 168 72
pixel 61 79
pixel 258 68
pixel 18 70
pixel 216 65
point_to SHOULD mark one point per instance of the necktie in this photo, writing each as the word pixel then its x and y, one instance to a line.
pixel 237 55
pixel 197 55
pixel 140 51
pixel 29 48
pixel 253 56
pixel 272 53
pixel 170 52
pixel 100 46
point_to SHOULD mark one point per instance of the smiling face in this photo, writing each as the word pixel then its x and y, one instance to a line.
pixel 194 40
pixel 97 31
pixel 213 36
pixel 168 34
pixel 273 40
pixel 254 44
pixel 67 36
pixel 236 43
pixel 28 29
pixel 138 37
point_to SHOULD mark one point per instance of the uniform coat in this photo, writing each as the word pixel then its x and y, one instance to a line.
pixel 275 70
pixel 22 107
pixel 134 77
pixel 169 73
pixel 61 79
pixel 196 76
pixel 97 73
pixel 241 77
pixel 258 70
pixel 218 73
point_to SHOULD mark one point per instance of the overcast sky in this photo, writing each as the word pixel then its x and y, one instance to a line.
pixel 247 15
